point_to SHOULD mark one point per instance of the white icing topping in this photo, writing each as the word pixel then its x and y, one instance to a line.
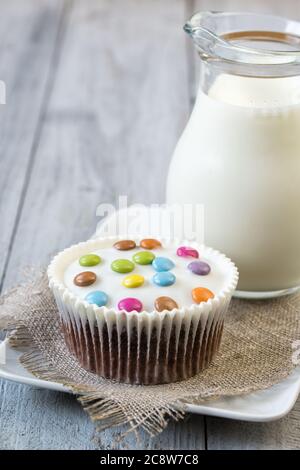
pixel 111 282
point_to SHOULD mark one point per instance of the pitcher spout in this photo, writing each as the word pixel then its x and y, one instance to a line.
pixel 246 43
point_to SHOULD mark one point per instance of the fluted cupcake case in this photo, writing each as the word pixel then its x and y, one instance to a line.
pixel 139 348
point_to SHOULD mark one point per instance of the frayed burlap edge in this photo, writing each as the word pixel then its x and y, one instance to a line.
pixel 256 352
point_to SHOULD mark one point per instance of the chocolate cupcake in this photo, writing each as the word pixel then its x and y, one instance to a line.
pixel 142 315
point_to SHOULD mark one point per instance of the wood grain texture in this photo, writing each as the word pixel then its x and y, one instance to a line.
pixel 119 99
pixel 227 434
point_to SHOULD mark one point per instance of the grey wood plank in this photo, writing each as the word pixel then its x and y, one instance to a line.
pixel 119 101
pixel 27 36
pixel 281 434
pixel 136 79
pixel 285 433
pixel 40 419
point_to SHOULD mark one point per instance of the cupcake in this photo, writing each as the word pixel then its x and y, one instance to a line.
pixel 142 311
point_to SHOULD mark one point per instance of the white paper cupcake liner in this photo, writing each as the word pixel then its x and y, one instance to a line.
pixel 139 348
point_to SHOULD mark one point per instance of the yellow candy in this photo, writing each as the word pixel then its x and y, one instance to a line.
pixel 133 280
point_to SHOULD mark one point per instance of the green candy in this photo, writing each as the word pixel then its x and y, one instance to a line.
pixel 143 257
pixel 89 260
pixel 122 266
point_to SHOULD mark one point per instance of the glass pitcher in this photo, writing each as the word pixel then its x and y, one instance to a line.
pixel 239 154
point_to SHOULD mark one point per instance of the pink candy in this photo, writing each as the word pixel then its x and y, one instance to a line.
pixel 129 304
pixel 187 251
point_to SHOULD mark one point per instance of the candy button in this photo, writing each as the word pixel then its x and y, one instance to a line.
pixel 162 264
pixel 165 278
pixel 150 243
pixel 89 260
pixel 201 294
pixel 165 303
pixel 187 251
pixel 125 245
pixel 199 267
pixel 143 257
pixel 122 266
pixel 97 297
pixel 86 278
pixel 129 304
pixel 133 280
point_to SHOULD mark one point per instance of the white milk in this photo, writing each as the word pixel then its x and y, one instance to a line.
pixel 240 156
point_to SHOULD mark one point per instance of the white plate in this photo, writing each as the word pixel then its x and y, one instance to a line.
pixel 266 405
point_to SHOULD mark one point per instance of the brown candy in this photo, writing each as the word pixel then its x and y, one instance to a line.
pixel 150 243
pixel 164 303
pixel 125 245
pixel 86 278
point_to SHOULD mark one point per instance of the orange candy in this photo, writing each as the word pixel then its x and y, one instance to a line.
pixel 201 294
pixel 150 243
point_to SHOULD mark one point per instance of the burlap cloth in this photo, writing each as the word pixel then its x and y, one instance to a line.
pixel 257 351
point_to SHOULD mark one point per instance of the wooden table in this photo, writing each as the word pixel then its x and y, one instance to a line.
pixel 98 92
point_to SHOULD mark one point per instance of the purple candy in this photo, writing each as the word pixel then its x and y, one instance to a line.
pixel 199 267
pixel 187 251
pixel 129 304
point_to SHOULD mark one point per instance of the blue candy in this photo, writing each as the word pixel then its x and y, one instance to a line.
pixel 162 264
pixel 97 297
pixel 164 278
